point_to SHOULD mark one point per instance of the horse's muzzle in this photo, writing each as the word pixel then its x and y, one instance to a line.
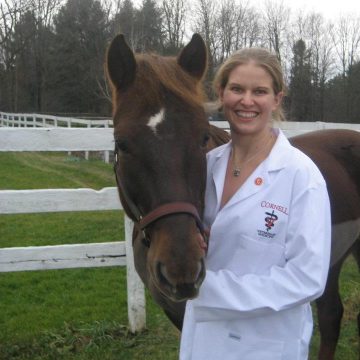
pixel 179 291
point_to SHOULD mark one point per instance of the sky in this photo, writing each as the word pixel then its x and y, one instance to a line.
pixel 331 9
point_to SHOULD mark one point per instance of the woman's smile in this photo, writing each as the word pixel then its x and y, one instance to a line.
pixel 246 114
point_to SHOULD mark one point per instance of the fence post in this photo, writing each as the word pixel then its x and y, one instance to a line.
pixel 69 126
pixel 135 288
pixel 106 152
pixel 87 152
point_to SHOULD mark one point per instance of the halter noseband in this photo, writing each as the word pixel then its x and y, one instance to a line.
pixel 171 208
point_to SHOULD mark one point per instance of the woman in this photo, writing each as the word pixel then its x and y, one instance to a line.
pixel 268 212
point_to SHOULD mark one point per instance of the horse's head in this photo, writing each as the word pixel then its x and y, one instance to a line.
pixel 161 133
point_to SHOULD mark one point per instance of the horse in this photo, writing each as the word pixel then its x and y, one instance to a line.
pixel 337 155
pixel 161 138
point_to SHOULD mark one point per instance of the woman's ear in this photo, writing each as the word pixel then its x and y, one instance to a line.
pixel 278 98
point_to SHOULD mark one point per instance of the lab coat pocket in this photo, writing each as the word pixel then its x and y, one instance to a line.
pixel 213 341
pixel 254 256
pixel 254 348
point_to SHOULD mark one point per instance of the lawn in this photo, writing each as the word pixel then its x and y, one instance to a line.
pixel 82 313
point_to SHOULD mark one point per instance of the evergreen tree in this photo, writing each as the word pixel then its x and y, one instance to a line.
pixel 149 22
pixel 354 92
pixel 34 39
pixel 78 56
pixel 300 84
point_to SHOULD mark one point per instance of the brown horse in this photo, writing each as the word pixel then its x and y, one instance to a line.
pixel 337 154
pixel 161 137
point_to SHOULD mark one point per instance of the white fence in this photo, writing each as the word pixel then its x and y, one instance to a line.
pixel 52 121
pixel 290 128
pixel 115 253
pixel 293 128
pixel 40 120
pixel 32 138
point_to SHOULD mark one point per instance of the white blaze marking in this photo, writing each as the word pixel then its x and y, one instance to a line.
pixel 156 120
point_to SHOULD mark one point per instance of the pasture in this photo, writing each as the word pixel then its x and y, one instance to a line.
pixel 82 313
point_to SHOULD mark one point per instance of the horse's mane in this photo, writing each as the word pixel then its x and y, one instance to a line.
pixel 163 73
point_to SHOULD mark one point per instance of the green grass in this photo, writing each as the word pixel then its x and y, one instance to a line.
pixel 348 346
pixel 69 314
pixel 81 314
pixel 52 170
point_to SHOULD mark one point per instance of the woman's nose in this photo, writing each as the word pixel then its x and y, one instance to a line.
pixel 246 98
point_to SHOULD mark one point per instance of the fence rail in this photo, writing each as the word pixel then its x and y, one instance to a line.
pixel 35 121
pixel 41 120
pixel 116 253
pixel 62 256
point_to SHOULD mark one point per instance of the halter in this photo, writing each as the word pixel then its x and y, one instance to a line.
pixel 167 209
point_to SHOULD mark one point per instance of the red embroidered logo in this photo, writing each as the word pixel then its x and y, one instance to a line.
pixel 270 220
pixel 269 205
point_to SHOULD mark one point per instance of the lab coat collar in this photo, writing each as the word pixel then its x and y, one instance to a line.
pixel 260 178
pixel 280 154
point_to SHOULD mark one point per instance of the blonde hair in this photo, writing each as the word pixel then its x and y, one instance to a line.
pixel 261 57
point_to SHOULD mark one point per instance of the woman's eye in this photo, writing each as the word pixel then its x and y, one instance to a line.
pixel 236 89
pixel 260 91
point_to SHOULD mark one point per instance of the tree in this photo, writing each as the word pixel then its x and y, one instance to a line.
pixel 174 12
pixel 346 38
pixel 300 83
pixel 249 27
pixel 321 60
pixel 149 21
pixel 26 86
pixel 226 25
pixel 34 33
pixel 313 29
pixel 10 12
pixel 354 81
pixel 204 13
pixel 125 23
pixel 77 57
pixel 276 19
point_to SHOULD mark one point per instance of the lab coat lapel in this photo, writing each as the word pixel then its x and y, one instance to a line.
pixel 260 179
pixel 256 182
pixel 218 172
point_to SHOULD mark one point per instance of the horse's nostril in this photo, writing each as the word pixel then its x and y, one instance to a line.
pixel 163 278
pixel 163 275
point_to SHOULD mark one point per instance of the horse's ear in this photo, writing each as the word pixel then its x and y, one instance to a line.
pixel 121 63
pixel 193 58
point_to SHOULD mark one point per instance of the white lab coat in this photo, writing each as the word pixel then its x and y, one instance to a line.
pixel 268 257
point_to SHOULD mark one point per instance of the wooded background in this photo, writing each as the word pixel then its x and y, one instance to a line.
pixel 52 51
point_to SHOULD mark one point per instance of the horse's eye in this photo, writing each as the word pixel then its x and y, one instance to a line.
pixel 205 140
pixel 122 145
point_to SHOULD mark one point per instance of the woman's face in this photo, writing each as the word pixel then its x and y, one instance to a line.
pixel 249 100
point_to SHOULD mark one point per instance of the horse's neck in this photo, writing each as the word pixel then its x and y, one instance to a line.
pixel 218 137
